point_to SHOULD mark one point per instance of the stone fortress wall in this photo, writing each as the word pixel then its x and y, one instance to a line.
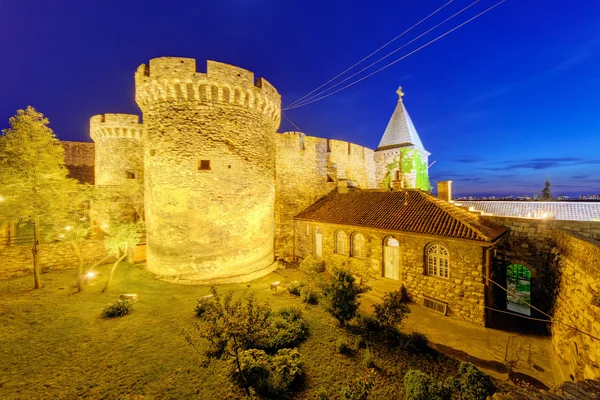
pixel 209 164
pixel 307 169
pixel 80 160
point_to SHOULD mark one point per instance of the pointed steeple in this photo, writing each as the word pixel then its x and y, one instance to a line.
pixel 400 131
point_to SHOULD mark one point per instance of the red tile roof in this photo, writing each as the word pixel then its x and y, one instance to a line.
pixel 407 211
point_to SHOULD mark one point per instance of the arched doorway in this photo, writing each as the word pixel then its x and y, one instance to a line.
pixel 518 285
pixel 391 258
pixel 318 242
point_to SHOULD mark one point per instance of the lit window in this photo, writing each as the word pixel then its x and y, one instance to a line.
pixel 130 174
pixel 358 246
pixel 203 165
pixel 438 261
pixel 341 242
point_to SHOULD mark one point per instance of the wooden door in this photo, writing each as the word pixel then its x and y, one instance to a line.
pixel 391 259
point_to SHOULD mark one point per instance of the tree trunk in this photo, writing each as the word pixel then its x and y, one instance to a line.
pixel 100 262
pixel 112 270
pixel 77 252
pixel 36 254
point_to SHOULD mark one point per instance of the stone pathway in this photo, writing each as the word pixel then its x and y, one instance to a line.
pixel 491 350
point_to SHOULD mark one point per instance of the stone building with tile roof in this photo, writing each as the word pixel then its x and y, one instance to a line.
pixel 440 253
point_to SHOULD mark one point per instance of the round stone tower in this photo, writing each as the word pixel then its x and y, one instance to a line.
pixel 209 161
pixel 119 157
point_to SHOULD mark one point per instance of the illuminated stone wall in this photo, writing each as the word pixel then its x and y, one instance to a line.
pixel 307 169
pixel 464 291
pixel 577 304
pixel 209 164
pixel 80 160
pixel 410 179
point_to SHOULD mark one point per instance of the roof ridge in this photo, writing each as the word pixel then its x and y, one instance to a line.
pixel 460 213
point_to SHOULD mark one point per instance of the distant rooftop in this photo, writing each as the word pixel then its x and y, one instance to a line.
pixel 562 210
pixel 407 211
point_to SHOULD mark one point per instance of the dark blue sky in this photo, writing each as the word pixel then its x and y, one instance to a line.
pixel 502 103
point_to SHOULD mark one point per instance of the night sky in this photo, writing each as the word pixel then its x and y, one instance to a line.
pixel 502 103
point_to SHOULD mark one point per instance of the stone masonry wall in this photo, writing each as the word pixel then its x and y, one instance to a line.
pixel 79 160
pixel 464 291
pixel 209 163
pixel 307 169
pixel 577 303
pixel 18 260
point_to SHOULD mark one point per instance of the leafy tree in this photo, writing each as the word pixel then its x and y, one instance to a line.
pixel 420 386
pixel 122 236
pixel 342 296
pixel 546 191
pixel 392 311
pixel 474 384
pixel 231 326
pixel 33 178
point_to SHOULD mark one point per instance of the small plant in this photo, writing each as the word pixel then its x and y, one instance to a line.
pixel 474 384
pixel 342 296
pixel 360 387
pixel 286 328
pixel 322 394
pixel 117 309
pixel 343 347
pixel 368 359
pixel 416 342
pixel 369 324
pixel 309 295
pixel 420 386
pixel 295 287
pixel 269 375
pixel 201 307
pixel 392 311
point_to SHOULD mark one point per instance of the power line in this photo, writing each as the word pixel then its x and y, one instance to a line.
pixel 291 122
pixel 401 58
pixel 385 45
pixel 386 56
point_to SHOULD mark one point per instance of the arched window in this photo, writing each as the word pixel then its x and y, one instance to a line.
pixel 341 242
pixel 438 261
pixel 358 246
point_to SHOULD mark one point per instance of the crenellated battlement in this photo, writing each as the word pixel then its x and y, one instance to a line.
pixel 175 79
pixel 120 126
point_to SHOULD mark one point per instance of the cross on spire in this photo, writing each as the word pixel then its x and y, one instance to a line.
pixel 400 93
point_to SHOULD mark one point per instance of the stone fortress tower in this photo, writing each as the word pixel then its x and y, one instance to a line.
pixel 209 163
pixel 119 156
pixel 402 143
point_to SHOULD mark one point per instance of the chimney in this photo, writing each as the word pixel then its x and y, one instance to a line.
pixel 444 190
pixel 398 185
pixel 342 185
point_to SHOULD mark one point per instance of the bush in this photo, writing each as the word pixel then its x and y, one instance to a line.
pixel 360 387
pixel 416 342
pixel 322 394
pixel 369 324
pixel 343 347
pixel 475 385
pixel 202 307
pixel 342 296
pixel 309 295
pixel 295 287
pixel 117 309
pixel 286 328
pixel 420 386
pixel 269 375
pixel 392 311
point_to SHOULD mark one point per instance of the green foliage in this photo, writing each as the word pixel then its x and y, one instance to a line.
pixel 122 236
pixel 343 347
pixel 392 311
pixel 368 359
pixel 294 287
pixel 474 384
pixel 369 324
pixel 286 328
pixel 202 306
pixel 309 295
pixel 342 295
pixel 117 309
pixel 420 386
pixel 269 375
pixel 360 387
pixel 546 191
pixel 407 161
pixel 415 342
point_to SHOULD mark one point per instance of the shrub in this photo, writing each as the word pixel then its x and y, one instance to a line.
pixel 475 385
pixel 342 296
pixel 286 328
pixel 269 375
pixel 368 359
pixel 322 394
pixel 360 387
pixel 117 309
pixel 295 287
pixel 420 386
pixel 392 311
pixel 201 307
pixel 343 347
pixel 309 295
pixel 416 342
pixel 369 324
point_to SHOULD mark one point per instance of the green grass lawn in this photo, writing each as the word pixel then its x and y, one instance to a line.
pixel 54 345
